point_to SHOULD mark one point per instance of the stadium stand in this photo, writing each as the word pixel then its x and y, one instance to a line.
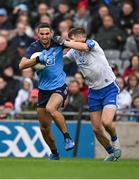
pixel 114 24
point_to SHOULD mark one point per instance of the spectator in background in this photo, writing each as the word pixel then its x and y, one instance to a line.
pixel 96 21
pixel 7 54
pixel 5 33
pixel 132 43
pixel 83 87
pixel 69 21
pixel 136 5
pixel 82 18
pixel 4 22
pixel 115 8
pixel 110 36
pixel 124 98
pixel 63 29
pixel 23 94
pixel 115 70
pixel 75 100
pixel 63 11
pixel 134 65
pixel 19 10
pixel 21 36
pixel 9 110
pixel 127 17
pixel 6 94
pixel 94 6
pixel 137 73
pixel 45 19
pixel 135 109
pixel 20 51
pixel 24 19
pixel 2 113
pixel 13 84
pixel 31 104
pixel 133 85
pixel 29 73
pixel 42 9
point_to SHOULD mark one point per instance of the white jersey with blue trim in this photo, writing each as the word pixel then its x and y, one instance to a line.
pixel 93 65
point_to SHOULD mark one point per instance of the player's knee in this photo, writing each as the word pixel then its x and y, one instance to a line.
pixel 51 110
pixel 44 128
pixel 97 130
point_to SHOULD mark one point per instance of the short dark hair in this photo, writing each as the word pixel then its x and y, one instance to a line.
pixel 44 25
pixel 75 31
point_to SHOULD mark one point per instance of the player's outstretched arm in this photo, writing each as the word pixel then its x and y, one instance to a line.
pixel 26 63
pixel 71 44
pixel 76 45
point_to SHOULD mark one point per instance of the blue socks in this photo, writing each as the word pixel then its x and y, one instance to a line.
pixel 114 138
pixel 109 149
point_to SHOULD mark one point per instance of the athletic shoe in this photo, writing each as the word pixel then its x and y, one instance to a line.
pixel 117 153
pixel 116 149
pixel 69 144
pixel 109 157
pixel 54 156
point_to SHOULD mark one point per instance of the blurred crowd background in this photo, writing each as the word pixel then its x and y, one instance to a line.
pixel 113 23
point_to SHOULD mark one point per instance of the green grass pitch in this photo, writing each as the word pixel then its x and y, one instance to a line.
pixel 22 168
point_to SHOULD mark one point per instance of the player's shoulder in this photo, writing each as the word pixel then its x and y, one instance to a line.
pixel 35 44
pixel 94 44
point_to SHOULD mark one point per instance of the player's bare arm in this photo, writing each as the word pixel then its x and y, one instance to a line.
pixel 80 46
pixel 26 63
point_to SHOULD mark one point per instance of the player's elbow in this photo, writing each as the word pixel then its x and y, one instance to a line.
pixel 23 63
pixel 21 66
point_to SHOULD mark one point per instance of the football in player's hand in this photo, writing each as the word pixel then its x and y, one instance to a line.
pixel 37 66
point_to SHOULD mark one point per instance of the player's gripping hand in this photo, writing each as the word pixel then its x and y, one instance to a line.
pixel 59 40
pixel 42 58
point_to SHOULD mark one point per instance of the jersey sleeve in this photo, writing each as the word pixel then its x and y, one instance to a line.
pixel 90 43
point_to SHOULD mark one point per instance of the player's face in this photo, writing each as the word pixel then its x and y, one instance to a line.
pixel 45 35
pixel 78 38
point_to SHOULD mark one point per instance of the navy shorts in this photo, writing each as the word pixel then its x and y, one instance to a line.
pixel 97 99
pixel 44 95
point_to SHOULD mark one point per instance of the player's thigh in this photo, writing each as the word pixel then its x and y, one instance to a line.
pixel 109 106
pixel 110 98
pixel 108 114
pixel 44 117
pixel 96 119
pixel 55 102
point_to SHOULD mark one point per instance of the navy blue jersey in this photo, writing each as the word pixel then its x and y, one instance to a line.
pixel 52 76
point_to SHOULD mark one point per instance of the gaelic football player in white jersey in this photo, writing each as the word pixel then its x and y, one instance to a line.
pixel 103 89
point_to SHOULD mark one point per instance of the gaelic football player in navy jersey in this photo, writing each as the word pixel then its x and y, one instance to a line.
pixel 103 89
pixel 52 87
